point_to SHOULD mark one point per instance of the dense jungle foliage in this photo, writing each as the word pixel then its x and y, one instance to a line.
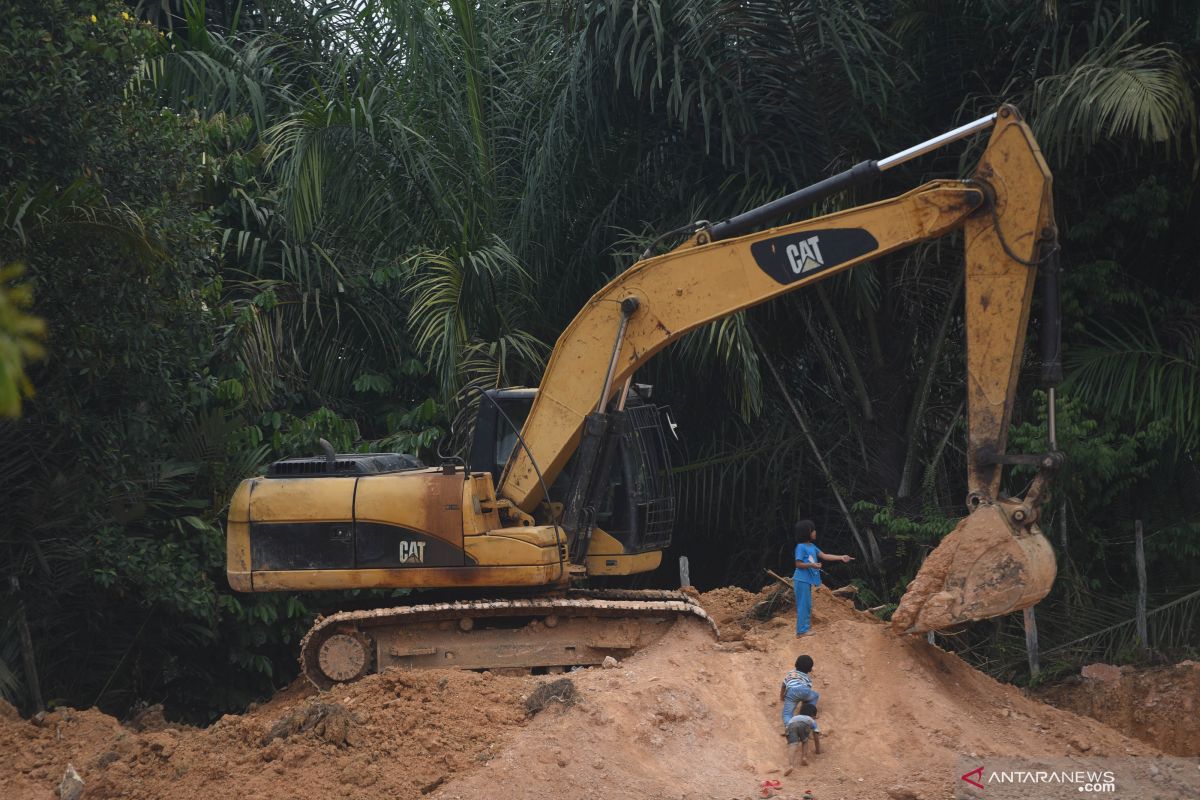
pixel 230 230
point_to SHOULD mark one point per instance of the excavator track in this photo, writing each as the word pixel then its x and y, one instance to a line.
pixel 550 633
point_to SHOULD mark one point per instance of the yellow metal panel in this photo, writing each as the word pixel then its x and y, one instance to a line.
pixel 409 499
pixel 302 500
pixel 624 565
pixel 477 492
pixel 999 289
pixel 496 548
pixel 424 578
pixel 237 537
pixel 603 544
pixel 537 544
pixel 239 504
pixel 237 555
pixel 537 535
pixel 427 501
pixel 682 290
pixel 606 556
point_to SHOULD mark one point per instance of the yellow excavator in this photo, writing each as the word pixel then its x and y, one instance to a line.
pixel 573 480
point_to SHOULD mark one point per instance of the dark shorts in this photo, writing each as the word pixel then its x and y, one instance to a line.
pixel 798 732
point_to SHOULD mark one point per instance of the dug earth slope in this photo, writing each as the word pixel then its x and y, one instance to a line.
pixel 1159 705
pixel 697 719
pixel 687 718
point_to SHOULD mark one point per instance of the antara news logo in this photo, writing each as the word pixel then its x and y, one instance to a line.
pixel 1084 781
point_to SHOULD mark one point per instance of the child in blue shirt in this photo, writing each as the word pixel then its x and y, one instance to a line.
pixel 797 688
pixel 807 574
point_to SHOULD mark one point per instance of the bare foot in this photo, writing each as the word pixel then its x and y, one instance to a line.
pixel 804 762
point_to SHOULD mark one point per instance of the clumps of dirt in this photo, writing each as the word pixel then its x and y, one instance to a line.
pixel 727 606
pixel 737 611
pixel 1159 705
pixel 328 722
pixel 740 615
pixel 561 692
pixel 387 735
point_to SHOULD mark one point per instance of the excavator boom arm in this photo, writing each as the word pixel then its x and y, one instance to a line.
pixel 686 288
pixel 1003 209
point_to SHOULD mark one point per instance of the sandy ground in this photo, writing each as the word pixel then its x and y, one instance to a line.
pixel 688 718
pixel 1159 705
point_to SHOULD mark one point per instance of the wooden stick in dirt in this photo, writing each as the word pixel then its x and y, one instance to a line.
pixel 781 579
pixel 1140 555
pixel 32 684
pixel 1031 642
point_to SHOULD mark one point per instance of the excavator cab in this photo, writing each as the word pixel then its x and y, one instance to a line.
pixel 619 481
pixel 639 511
pixel 502 413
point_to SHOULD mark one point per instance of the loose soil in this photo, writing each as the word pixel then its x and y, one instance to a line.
pixel 687 718
pixel 1160 705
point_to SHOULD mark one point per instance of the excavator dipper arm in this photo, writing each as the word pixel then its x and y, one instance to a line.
pixel 996 560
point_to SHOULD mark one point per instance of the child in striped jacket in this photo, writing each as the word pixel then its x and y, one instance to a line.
pixel 797 688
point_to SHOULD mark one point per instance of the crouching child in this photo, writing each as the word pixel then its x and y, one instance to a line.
pixel 797 688
pixel 799 728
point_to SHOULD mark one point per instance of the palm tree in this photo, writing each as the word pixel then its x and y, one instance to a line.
pixel 451 181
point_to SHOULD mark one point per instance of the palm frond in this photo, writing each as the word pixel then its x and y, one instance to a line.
pixel 1118 90
pixel 1130 370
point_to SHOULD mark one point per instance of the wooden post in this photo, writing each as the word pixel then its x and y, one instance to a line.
pixel 31 676
pixel 684 578
pixel 1031 642
pixel 1143 633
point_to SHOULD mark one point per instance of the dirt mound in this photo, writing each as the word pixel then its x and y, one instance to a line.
pixel 388 735
pixel 740 615
pixel 729 607
pixel 696 719
pixel 689 717
pixel 1160 705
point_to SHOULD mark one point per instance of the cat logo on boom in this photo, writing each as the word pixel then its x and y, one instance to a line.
pixel 412 552
pixel 805 255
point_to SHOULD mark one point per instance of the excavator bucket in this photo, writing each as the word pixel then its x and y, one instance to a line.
pixel 986 567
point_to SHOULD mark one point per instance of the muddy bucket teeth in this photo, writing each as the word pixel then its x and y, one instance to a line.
pixel 986 567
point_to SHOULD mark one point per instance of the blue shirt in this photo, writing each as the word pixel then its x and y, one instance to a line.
pixel 807 552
